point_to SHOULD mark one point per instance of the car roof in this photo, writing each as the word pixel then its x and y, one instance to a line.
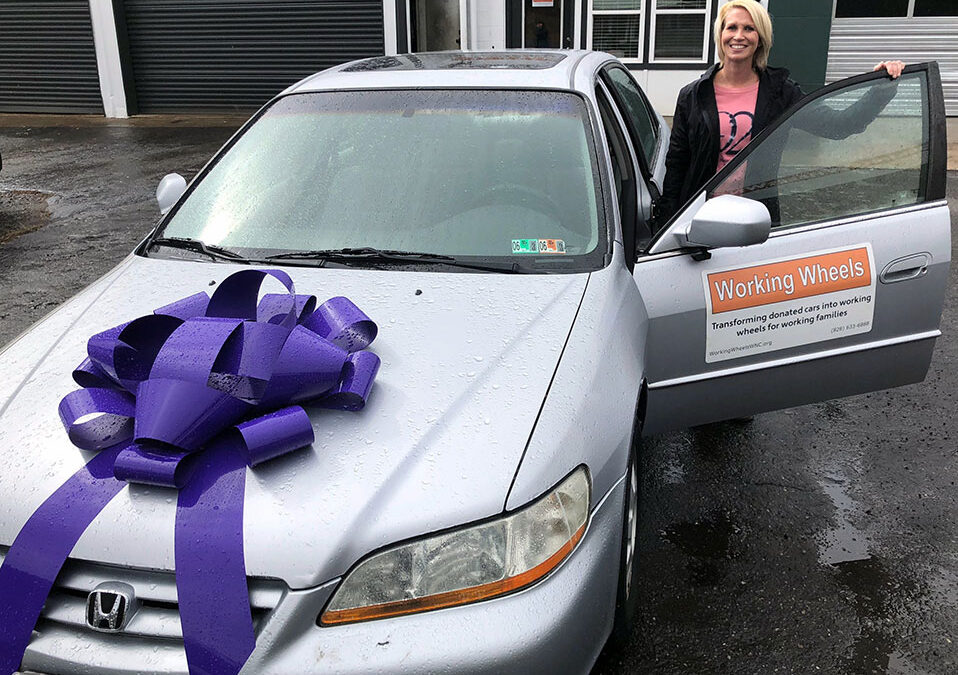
pixel 525 68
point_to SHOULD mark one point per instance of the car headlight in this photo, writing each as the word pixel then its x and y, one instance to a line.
pixel 470 564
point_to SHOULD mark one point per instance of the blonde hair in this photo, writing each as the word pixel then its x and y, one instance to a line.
pixel 763 26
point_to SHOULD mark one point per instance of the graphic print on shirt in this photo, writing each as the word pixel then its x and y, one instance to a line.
pixel 736 112
pixel 734 141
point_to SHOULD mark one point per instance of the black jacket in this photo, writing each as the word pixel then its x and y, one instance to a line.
pixel 694 148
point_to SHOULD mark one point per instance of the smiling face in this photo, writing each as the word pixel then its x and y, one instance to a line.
pixel 740 38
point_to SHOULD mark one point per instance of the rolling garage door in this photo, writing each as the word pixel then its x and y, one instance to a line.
pixel 233 55
pixel 47 57
pixel 858 44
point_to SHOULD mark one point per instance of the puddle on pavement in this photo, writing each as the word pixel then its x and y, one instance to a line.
pixel 708 544
pixel 21 212
pixel 880 593
pixel 877 595
pixel 843 542
pixel 900 664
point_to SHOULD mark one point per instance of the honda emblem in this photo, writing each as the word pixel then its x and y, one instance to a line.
pixel 109 606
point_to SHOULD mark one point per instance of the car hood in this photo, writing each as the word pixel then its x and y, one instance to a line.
pixel 466 362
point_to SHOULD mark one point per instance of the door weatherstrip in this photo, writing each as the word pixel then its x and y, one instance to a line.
pixel 873 215
pixel 728 372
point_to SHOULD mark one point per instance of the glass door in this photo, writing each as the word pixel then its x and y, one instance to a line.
pixel 542 22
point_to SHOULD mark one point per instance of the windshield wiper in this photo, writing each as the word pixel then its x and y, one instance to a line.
pixel 377 255
pixel 187 244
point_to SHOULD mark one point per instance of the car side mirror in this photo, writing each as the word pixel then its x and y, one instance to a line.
pixel 728 220
pixel 171 188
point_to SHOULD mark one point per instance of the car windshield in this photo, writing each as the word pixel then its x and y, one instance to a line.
pixel 460 173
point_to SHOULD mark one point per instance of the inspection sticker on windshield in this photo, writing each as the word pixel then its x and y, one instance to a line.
pixel 788 302
pixel 539 246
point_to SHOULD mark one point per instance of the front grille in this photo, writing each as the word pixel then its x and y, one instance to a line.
pixel 156 624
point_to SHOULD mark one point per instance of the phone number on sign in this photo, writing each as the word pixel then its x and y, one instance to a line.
pixel 851 326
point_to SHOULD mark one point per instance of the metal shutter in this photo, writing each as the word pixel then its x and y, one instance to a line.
pixel 234 55
pixel 856 45
pixel 47 58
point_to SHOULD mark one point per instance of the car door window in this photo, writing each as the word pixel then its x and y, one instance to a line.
pixel 857 150
pixel 642 124
pixel 623 172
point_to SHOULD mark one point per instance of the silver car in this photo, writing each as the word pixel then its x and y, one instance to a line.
pixel 494 215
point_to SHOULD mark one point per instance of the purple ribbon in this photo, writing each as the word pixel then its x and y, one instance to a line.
pixel 188 398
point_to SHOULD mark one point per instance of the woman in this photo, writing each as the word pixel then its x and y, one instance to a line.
pixel 717 115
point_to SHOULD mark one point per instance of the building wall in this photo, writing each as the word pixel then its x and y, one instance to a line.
pixel 664 48
pixel 662 86
pixel 800 39
pixel 814 46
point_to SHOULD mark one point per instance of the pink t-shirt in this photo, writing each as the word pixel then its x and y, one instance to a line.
pixel 736 108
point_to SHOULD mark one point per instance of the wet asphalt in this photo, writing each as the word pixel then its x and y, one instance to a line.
pixel 817 539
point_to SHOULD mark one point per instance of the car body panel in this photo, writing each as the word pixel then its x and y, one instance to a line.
pixel 906 318
pixel 555 626
pixel 590 410
pixel 466 358
pixel 558 76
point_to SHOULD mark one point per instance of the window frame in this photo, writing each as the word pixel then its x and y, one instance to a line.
pixel 934 159
pixel 623 158
pixel 806 102
pixel 640 13
pixel 646 16
pixel 645 163
pixel 909 13
pixel 655 12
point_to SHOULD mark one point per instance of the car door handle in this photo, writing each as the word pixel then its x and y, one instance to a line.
pixel 902 269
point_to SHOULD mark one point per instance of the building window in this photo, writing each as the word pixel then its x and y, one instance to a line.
pixel 936 8
pixel 617 28
pixel 678 30
pixel 870 8
pixel 848 9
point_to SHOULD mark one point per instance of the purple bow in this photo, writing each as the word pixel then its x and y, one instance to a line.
pixel 188 397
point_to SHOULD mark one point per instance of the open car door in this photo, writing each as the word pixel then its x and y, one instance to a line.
pixel 846 293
